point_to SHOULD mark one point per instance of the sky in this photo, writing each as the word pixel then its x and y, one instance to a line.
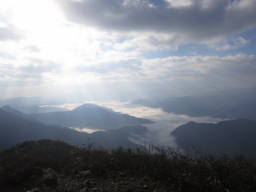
pixel 126 49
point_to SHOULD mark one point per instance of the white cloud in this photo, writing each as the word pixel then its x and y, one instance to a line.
pixel 180 3
pixel 148 77
pixel 224 44
pixel 164 123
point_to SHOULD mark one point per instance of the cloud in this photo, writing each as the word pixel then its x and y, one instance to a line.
pixel 107 67
pixel 174 75
pixel 192 19
pixel 186 74
pixel 164 123
pixel 180 3
pixel 8 33
pixel 197 67
pixel 36 66
pixel 228 44
pixel 30 72
pixel 149 41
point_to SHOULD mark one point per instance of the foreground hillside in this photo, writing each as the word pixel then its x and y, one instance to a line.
pixel 55 166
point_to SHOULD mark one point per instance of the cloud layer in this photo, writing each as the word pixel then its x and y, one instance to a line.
pixel 199 19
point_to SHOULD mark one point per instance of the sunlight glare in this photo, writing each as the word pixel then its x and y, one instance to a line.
pixel 39 17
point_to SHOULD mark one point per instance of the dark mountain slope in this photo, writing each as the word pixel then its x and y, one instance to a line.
pixel 230 137
pixel 13 111
pixel 89 116
pixel 15 129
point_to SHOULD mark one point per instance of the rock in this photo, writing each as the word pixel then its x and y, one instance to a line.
pixel 84 190
pixel 33 190
pixel 50 177
pixel 145 186
pixel 36 173
pixel 86 183
pixel 122 174
pixel 129 190
pixel 85 173
pixel 96 189
pixel 123 183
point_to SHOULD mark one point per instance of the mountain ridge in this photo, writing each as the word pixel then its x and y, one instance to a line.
pixel 15 129
pixel 233 137
pixel 228 104
pixel 89 116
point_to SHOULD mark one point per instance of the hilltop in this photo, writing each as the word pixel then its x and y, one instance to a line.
pixel 55 166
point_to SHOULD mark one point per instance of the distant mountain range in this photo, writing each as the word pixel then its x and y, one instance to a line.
pixel 33 104
pixel 15 128
pixel 89 116
pixel 233 137
pixel 233 104
pixel 230 137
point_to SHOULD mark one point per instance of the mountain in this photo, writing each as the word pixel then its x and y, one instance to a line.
pixel 233 104
pixel 119 137
pixel 11 110
pixel 89 116
pixel 15 128
pixel 233 137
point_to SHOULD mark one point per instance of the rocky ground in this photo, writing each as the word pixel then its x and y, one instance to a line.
pixel 48 166
pixel 52 166
pixel 86 182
